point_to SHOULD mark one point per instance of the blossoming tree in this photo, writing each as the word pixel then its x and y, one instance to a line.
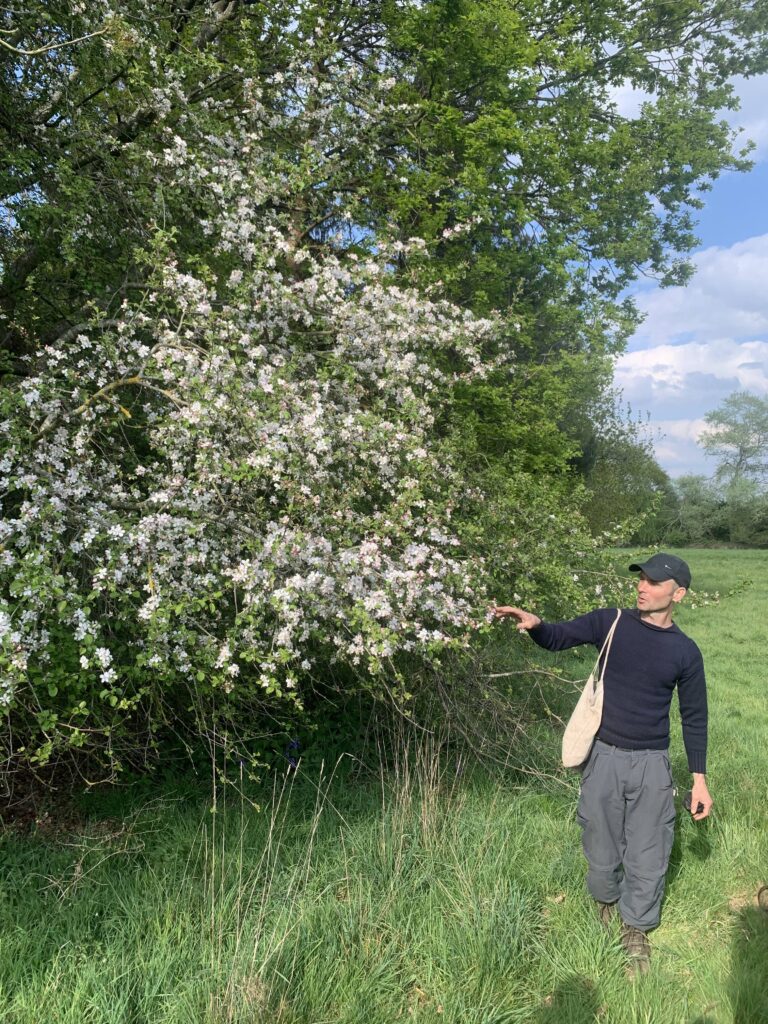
pixel 230 479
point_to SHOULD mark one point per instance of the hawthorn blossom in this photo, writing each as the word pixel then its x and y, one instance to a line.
pixel 236 477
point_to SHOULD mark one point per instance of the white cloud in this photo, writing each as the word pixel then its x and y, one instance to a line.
pixel 683 458
pixel 700 343
pixel 666 370
pixel 682 430
pixel 697 345
pixel 677 448
pixel 727 298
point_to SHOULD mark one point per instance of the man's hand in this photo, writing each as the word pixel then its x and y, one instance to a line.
pixel 525 620
pixel 700 795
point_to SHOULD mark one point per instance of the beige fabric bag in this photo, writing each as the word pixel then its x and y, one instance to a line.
pixel 580 732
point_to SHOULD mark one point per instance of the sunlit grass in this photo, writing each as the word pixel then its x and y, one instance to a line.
pixel 427 892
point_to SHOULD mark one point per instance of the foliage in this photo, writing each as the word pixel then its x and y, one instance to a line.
pixel 536 193
pixel 710 511
pixel 628 491
pixel 499 143
pixel 227 479
pixel 517 126
pixel 701 515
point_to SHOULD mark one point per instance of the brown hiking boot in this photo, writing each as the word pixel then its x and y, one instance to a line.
pixel 638 949
pixel 606 912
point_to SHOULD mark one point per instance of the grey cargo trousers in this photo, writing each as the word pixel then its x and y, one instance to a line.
pixel 627 816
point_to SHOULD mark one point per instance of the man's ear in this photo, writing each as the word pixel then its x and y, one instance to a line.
pixel 679 594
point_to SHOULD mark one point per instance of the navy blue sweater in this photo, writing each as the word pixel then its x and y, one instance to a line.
pixel 645 664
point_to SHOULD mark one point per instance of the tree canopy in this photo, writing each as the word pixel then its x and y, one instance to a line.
pixel 499 141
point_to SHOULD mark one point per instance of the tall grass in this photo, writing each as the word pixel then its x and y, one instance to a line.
pixel 429 890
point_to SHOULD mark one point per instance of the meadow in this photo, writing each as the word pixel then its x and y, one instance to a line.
pixel 429 890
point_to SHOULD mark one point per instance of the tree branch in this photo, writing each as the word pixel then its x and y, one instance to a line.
pixel 52 46
pixel 225 9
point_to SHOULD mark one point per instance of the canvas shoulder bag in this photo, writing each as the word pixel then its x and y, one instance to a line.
pixel 580 732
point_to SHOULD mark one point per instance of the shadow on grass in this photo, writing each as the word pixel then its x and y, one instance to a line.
pixel 574 1001
pixel 749 967
pixel 691 840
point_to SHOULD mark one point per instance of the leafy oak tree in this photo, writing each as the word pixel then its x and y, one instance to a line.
pixel 518 135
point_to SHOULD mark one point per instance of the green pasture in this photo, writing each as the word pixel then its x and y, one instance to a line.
pixel 429 891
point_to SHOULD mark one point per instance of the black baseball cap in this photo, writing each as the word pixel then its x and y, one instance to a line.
pixel 664 567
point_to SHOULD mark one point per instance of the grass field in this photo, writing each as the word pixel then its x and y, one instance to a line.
pixel 433 892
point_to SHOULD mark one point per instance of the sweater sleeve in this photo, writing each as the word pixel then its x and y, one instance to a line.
pixel 585 629
pixel 692 695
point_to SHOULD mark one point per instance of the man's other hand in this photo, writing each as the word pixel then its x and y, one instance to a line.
pixel 700 795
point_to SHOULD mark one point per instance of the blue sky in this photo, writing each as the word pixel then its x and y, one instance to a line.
pixel 700 343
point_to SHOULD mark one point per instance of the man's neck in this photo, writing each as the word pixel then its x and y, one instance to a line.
pixel 662 619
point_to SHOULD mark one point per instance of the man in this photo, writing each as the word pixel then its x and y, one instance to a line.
pixel 626 805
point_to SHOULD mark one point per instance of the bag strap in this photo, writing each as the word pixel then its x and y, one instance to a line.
pixel 605 650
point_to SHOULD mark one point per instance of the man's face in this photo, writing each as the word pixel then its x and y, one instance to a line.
pixel 657 596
